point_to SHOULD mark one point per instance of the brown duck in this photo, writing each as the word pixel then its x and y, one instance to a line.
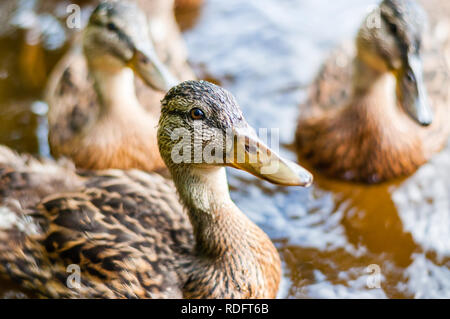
pixel 379 109
pixel 100 115
pixel 127 231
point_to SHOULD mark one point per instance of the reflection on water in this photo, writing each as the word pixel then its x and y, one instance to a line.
pixel 32 40
pixel 266 52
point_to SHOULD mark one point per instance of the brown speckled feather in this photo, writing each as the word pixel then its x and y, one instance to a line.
pixel 351 144
pixel 125 230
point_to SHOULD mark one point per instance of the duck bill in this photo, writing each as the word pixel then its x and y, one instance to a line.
pixel 418 107
pixel 148 66
pixel 250 154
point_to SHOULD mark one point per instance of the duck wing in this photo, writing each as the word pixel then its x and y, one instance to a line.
pixel 332 86
pixel 72 99
pixel 124 232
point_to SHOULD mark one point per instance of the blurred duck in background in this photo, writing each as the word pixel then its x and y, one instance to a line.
pixel 41 26
pixel 379 109
pixel 100 115
pixel 128 232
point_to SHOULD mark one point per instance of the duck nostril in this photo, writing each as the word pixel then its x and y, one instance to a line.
pixel 111 27
pixel 143 59
pixel 249 148
pixel 410 76
pixel 426 123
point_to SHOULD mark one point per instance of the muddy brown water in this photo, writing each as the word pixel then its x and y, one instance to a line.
pixel 333 237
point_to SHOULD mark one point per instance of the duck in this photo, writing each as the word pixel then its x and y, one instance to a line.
pixel 100 114
pixel 135 234
pixel 379 107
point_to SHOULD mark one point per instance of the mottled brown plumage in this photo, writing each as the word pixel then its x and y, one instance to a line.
pixel 354 124
pixel 128 232
pixel 125 230
pixel 117 130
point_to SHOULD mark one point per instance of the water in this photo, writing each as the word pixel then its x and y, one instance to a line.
pixel 332 237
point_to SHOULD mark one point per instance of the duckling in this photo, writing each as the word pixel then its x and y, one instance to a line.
pixel 128 233
pixel 100 116
pixel 379 109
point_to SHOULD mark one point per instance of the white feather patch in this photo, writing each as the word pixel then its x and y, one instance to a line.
pixel 12 220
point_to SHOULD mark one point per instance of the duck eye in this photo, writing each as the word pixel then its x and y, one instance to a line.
pixel 393 28
pixel 197 114
pixel 410 76
pixel 111 26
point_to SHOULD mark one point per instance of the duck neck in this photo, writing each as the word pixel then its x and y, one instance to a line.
pixel 227 244
pixel 364 76
pixel 374 93
pixel 205 194
pixel 116 90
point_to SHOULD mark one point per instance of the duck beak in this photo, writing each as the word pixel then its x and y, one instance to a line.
pixel 147 65
pixel 250 154
pixel 415 95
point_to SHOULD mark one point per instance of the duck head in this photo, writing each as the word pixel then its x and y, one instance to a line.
pixel 117 36
pixel 201 127
pixel 390 40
